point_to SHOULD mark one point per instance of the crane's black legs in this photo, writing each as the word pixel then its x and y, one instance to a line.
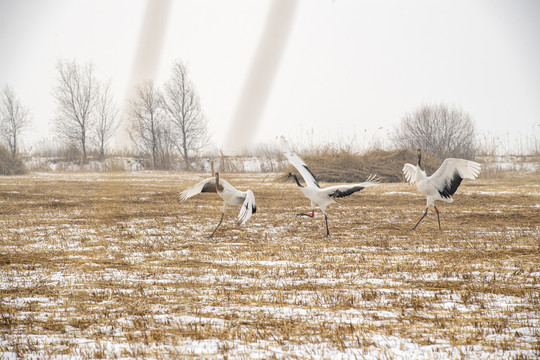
pixel 439 220
pixel 422 218
pixel 211 235
pixel 326 220
pixel 312 215
pixel 308 215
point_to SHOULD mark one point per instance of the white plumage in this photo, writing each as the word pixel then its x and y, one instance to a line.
pixel 320 198
pixel 443 183
pixel 229 194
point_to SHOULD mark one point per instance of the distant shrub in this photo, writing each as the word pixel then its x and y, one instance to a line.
pixel 442 130
pixel 10 165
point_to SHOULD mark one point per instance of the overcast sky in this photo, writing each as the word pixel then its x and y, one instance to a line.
pixel 349 69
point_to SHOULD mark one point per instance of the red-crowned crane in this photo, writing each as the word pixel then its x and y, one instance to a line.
pixel 443 183
pixel 320 198
pixel 229 194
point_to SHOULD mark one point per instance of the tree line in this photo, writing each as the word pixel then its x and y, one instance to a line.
pixel 161 122
pixel 166 122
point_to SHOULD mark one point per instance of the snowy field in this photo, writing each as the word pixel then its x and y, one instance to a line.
pixel 110 265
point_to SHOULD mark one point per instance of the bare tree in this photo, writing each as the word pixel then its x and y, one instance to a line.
pixel 182 107
pixel 443 131
pixel 76 94
pixel 148 131
pixel 14 117
pixel 106 113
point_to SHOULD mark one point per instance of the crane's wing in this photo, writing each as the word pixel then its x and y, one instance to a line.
pixel 207 185
pixel 248 208
pixel 409 170
pixel 452 171
pixel 298 163
pixel 339 191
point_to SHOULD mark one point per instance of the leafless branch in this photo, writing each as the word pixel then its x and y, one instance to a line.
pixel 76 94
pixel 14 118
pixel 148 130
pixel 182 108
pixel 106 117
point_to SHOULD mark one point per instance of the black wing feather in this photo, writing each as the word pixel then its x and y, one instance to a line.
pixel 343 193
pixel 451 185
pixel 209 187
pixel 253 208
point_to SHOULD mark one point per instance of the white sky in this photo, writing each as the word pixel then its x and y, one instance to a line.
pixel 351 69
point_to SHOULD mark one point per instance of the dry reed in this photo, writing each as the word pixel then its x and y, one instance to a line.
pixel 333 165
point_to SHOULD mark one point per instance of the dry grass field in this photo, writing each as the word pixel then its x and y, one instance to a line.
pixel 110 265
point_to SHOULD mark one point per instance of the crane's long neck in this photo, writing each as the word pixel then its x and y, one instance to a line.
pixel 297 182
pixel 420 175
pixel 219 188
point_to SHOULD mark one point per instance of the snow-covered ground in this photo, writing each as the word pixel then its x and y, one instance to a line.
pixel 110 265
pixel 511 163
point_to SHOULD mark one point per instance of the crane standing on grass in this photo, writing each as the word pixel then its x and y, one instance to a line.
pixel 443 183
pixel 319 197
pixel 229 194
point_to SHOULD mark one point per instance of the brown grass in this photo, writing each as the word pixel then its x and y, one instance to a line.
pixel 112 266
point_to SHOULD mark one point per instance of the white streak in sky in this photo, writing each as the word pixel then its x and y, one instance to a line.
pixel 146 61
pixel 261 75
pixel 151 40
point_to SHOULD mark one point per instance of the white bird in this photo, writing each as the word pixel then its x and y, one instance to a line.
pixel 443 183
pixel 320 198
pixel 229 194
